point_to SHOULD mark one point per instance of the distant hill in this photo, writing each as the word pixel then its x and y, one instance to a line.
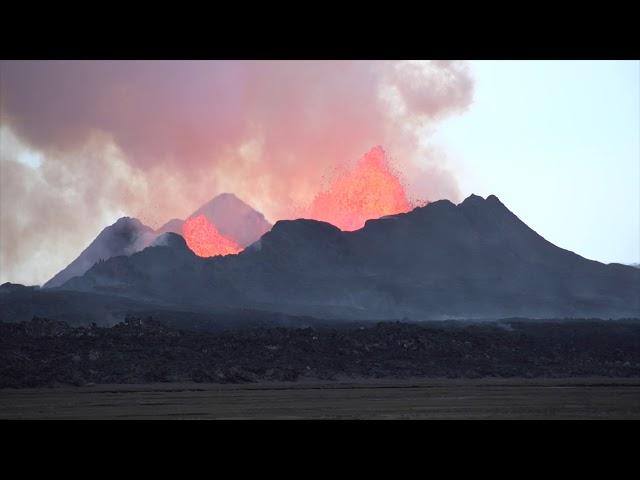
pixel 234 218
pixel 126 236
pixel 174 225
pixel 231 216
pixel 472 260
pixel 8 287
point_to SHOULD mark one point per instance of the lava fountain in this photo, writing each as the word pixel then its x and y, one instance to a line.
pixel 204 239
pixel 369 190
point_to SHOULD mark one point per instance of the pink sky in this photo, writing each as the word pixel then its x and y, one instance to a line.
pixel 157 139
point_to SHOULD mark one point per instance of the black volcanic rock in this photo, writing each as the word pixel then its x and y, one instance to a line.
pixel 171 240
pixel 8 288
pixel 472 260
pixel 300 244
pixel 126 236
pixel 166 270
pixel 43 352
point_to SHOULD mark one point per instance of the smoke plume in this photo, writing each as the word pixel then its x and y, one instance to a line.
pixel 82 143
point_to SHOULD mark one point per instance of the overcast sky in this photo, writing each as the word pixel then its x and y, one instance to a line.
pixel 83 143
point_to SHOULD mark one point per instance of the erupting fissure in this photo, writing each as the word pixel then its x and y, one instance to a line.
pixel 204 239
pixel 369 190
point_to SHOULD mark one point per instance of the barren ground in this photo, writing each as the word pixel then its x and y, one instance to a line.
pixel 584 398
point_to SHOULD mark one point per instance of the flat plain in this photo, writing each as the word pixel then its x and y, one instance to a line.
pixel 494 398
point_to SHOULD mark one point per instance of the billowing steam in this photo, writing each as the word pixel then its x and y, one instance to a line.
pixel 83 143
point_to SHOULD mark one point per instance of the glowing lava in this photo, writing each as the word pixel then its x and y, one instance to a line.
pixel 204 240
pixel 369 190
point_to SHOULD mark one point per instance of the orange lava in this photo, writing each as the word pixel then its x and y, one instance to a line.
pixel 370 190
pixel 204 240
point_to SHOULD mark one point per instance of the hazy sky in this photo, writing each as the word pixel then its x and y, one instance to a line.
pixel 82 143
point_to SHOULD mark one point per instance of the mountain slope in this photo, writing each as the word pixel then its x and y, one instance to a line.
pixel 124 237
pixel 234 218
pixel 472 260
pixel 174 225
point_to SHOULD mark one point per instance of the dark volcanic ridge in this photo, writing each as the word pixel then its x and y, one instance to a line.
pixel 442 261
pixel 233 218
pixel 48 353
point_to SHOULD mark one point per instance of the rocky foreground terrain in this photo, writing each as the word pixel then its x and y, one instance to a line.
pixel 47 353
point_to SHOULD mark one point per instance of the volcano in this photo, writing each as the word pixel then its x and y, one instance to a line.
pixel 126 236
pixel 234 219
pixel 474 260
pixel 228 225
pixel 223 225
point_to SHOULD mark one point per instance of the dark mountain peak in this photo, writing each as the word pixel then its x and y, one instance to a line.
pixel 443 204
pixel 440 216
pixel 9 287
pixel 433 211
pixel 473 199
pixel 288 235
pixel 495 203
pixel 129 221
pixel 479 207
pixel 303 227
pixel 171 240
pixel 300 245
pixel 127 226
